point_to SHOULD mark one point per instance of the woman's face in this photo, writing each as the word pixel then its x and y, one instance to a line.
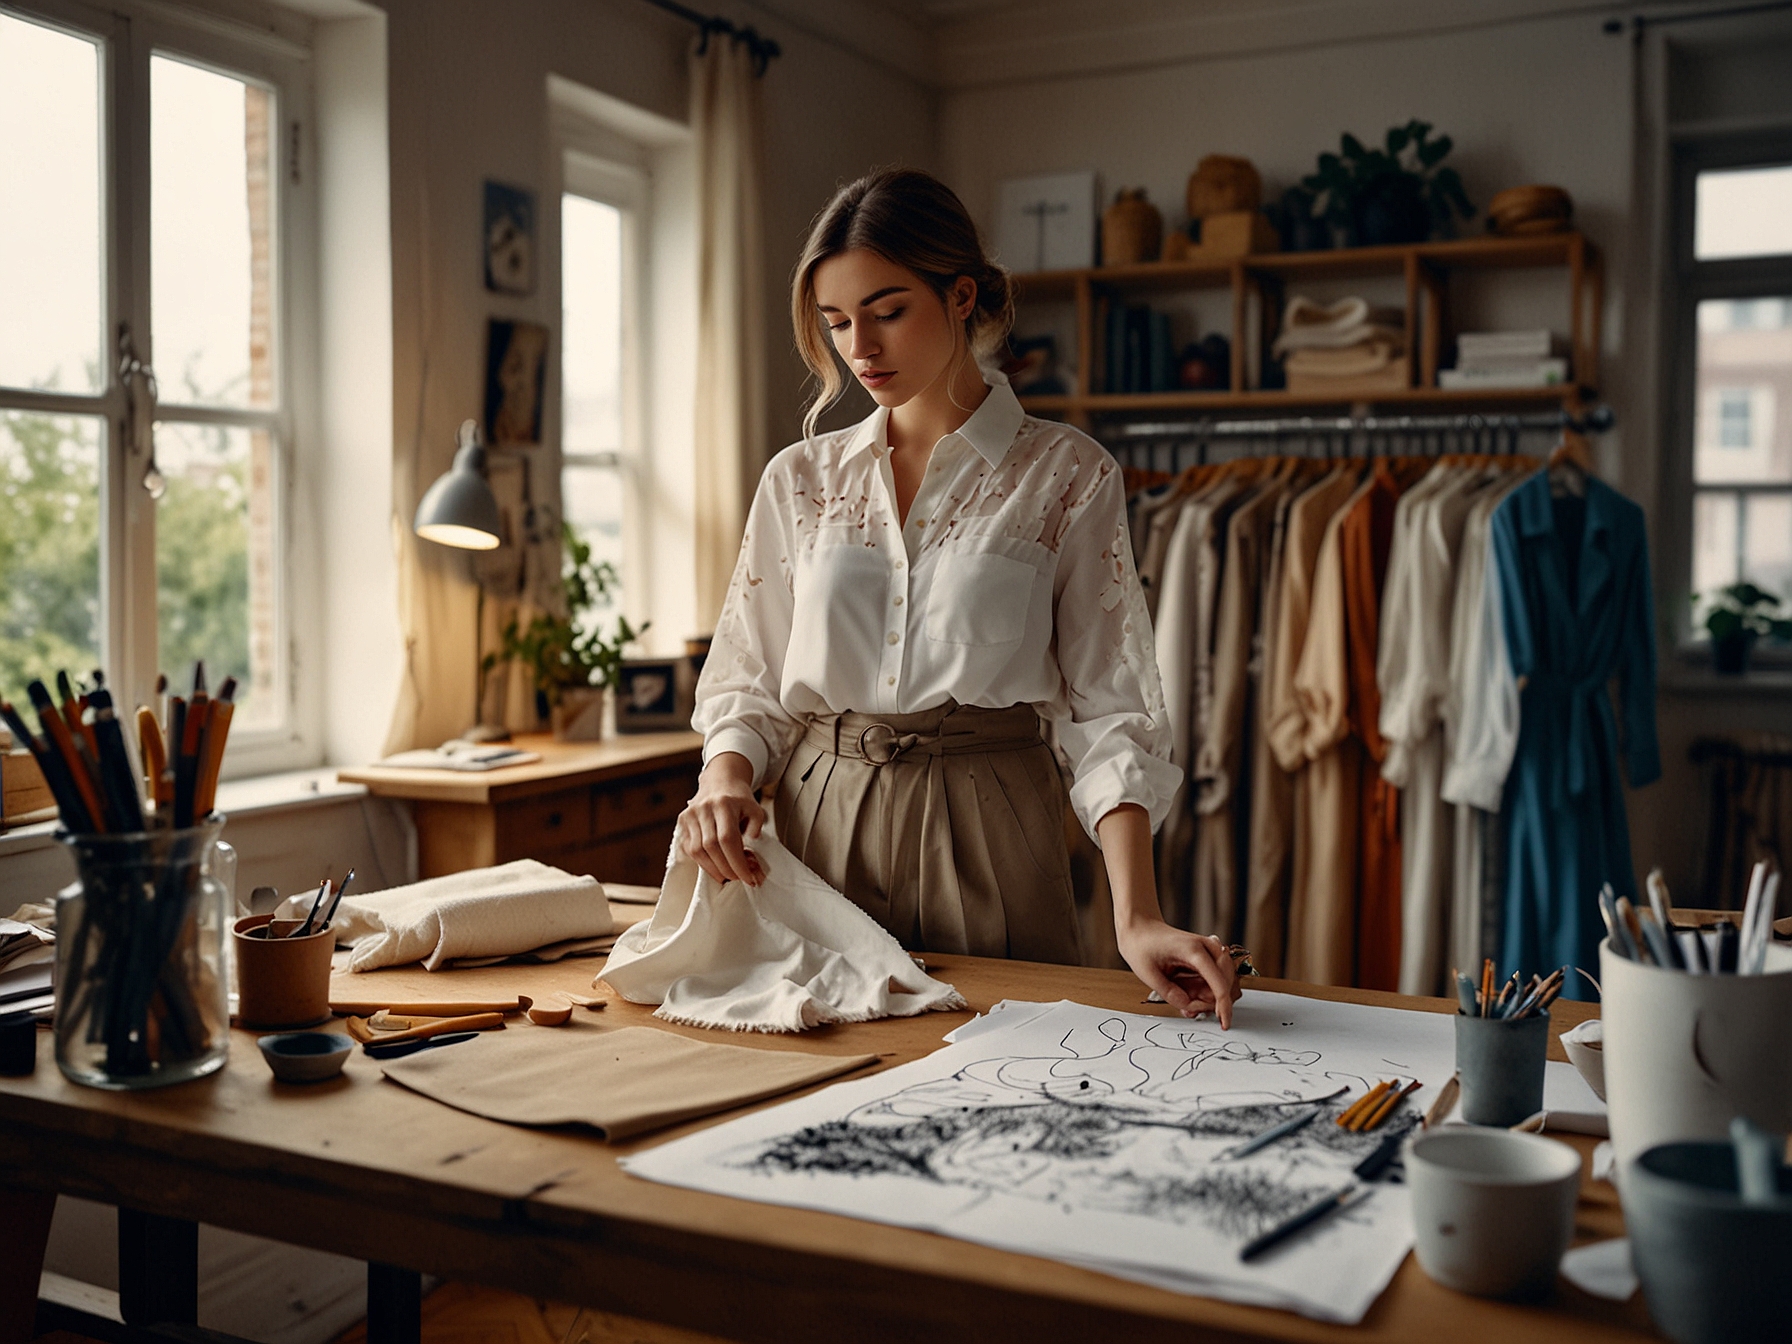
pixel 895 335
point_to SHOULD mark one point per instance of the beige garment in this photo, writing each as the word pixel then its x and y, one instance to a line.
pixel 1183 639
pixel 621 1081
pixel 1322 908
pixel 946 827
pixel 1275 866
pixel 1222 800
pixel 1157 545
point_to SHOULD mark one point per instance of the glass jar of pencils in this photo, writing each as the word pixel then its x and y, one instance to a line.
pixel 140 971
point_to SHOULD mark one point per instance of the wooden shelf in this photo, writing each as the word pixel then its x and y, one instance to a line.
pixel 1413 398
pixel 1259 279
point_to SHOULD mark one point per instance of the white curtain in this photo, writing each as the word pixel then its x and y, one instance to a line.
pixel 730 408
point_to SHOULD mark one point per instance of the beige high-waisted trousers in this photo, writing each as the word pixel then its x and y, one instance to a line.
pixel 947 827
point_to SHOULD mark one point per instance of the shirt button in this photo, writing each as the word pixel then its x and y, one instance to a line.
pixel 892 681
pixel 899 564
pixel 920 522
pixel 893 638
pixel 899 601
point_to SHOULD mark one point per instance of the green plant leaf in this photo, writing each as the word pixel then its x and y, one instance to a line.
pixel 1398 138
pixel 1723 624
pixel 1352 147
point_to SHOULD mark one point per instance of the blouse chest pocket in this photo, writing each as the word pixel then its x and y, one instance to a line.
pixel 979 598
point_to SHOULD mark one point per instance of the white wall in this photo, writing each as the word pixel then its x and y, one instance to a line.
pixel 1139 90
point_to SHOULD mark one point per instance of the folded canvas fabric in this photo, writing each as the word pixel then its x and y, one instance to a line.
pixel 1307 325
pixel 486 912
pixel 789 954
pixel 1349 361
pixel 621 1081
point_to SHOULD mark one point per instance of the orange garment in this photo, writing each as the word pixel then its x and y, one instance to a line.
pixel 1366 536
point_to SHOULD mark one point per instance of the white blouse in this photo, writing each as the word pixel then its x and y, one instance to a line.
pixel 1012 583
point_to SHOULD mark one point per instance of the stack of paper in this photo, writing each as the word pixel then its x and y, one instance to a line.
pixel 1095 1138
pixel 1495 359
pixel 27 956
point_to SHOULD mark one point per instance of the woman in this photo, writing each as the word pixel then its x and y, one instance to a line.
pixel 913 596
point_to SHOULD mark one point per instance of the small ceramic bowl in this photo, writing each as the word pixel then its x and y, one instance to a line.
pixel 305 1056
pixel 1585 1046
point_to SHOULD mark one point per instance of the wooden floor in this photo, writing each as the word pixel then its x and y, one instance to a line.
pixel 459 1313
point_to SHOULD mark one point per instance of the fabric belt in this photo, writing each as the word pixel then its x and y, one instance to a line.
pixel 1581 697
pixel 949 730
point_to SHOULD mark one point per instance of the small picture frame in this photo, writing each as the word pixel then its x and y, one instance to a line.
pixel 516 368
pixel 655 695
pixel 1047 223
pixel 509 239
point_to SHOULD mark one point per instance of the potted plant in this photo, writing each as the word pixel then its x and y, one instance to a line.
pixel 1400 193
pixel 1737 616
pixel 572 667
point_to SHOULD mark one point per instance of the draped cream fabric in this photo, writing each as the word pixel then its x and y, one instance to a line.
pixel 730 395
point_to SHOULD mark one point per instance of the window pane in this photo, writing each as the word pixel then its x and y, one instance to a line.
pixel 1743 212
pixel 1715 534
pixel 1744 392
pixel 591 319
pixel 592 498
pixel 1767 543
pixel 211 236
pixel 51 317
pixel 49 547
pixel 215 561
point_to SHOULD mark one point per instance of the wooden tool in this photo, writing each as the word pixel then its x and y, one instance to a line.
pixel 425 1008
pixel 358 1028
pixel 550 1014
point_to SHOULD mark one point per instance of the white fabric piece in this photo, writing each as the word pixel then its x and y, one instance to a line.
pixel 789 954
pixel 1307 325
pixel 1481 713
pixel 1602 1268
pixel 484 912
pixel 1012 583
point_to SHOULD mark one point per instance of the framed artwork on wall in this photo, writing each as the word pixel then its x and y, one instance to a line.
pixel 1047 223
pixel 516 366
pixel 509 239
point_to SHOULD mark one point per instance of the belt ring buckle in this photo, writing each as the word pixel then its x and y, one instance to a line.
pixel 887 751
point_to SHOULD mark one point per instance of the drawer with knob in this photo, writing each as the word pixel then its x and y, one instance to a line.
pixel 538 827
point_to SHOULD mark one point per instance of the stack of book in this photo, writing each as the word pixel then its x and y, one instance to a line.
pixel 1140 355
pixel 1496 359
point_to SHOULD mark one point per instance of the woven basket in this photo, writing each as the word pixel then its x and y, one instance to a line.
pixel 1132 230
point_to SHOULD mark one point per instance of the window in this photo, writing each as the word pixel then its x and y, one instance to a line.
pixel 147 413
pixel 601 245
pixel 1733 313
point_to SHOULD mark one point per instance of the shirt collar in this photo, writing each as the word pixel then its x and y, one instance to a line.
pixel 990 430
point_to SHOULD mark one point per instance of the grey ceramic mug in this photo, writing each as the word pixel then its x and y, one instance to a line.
pixel 1501 1062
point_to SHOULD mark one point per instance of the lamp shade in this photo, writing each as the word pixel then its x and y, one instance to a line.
pixel 460 509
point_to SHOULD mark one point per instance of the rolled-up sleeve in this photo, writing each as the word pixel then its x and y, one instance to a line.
pixel 738 703
pixel 1109 716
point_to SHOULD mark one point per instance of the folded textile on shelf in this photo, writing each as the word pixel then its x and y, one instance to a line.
pixel 1310 325
pixel 1391 377
pixel 789 954
pixel 1349 361
pixel 485 912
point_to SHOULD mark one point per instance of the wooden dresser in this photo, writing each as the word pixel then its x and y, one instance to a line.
pixel 604 808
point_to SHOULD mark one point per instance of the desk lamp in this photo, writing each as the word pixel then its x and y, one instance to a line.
pixel 460 510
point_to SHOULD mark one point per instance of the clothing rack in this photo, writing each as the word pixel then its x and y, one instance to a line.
pixel 762 47
pixel 1168 445
pixel 1706 749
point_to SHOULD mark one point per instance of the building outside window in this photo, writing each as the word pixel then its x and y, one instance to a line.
pixel 1734 318
pixel 147 389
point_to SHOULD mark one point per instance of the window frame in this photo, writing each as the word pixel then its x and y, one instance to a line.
pixel 1690 283
pixel 129 35
pixel 591 167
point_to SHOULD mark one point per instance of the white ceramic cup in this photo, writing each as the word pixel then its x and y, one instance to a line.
pixel 1492 1211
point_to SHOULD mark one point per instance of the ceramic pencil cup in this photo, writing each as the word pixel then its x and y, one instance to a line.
pixel 1684 1054
pixel 1713 1266
pixel 282 982
pixel 1501 1062
pixel 1492 1211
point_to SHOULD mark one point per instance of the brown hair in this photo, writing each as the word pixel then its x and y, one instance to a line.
pixel 913 219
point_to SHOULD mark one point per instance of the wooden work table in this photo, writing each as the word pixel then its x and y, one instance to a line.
pixel 604 808
pixel 364 1168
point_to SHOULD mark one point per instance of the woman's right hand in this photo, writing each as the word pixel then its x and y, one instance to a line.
pixel 712 824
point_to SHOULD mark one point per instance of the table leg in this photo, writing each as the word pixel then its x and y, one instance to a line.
pixel 158 1269
pixel 394 1305
pixel 24 1232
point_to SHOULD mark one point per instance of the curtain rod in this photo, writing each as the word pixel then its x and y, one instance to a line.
pixel 763 48
pixel 1595 421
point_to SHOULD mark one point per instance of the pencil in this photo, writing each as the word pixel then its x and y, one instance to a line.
pixel 211 757
pixel 117 777
pixel 1389 1102
pixel 1370 1098
pixel 55 776
pixel 1446 1098
pixel 1305 1218
pixel 155 760
pixel 1486 986
pixel 63 742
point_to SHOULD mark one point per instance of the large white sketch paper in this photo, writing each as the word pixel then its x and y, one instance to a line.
pixel 1092 1137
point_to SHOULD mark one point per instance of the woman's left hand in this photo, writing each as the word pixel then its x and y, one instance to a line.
pixel 1191 972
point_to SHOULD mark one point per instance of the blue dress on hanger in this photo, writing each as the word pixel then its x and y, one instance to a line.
pixel 1579 612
